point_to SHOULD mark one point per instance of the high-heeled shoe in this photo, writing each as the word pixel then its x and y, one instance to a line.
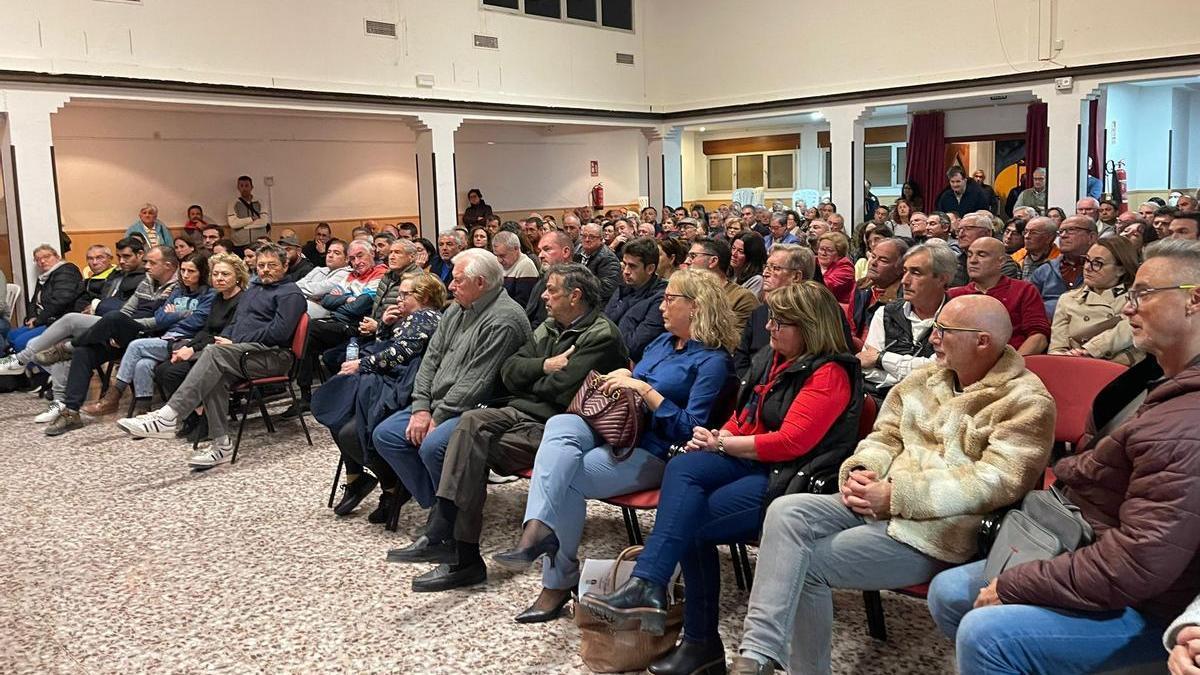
pixel 535 615
pixel 635 599
pixel 519 559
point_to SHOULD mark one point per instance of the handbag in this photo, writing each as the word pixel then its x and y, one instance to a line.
pixel 618 418
pixel 617 648
pixel 1045 526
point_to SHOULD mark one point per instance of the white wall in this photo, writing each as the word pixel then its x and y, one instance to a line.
pixel 998 119
pixel 719 53
pixel 320 45
pixel 111 160
pixel 1142 116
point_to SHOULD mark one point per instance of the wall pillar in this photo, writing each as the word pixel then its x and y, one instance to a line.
pixel 663 166
pixel 437 186
pixel 1066 178
pixel 846 146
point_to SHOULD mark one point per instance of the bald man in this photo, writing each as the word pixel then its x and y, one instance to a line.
pixel 1027 313
pixel 913 493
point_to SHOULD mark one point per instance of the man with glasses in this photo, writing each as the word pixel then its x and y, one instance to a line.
pixel 971 227
pixel 1039 248
pixel 787 264
pixel 1027 316
pixel 962 437
pixel 713 256
pixel 1103 606
pixel 1035 196
pixel 600 259
pixel 1076 235
pixel 780 234
pixel 259 335
pixel 1088 206
pixel 897 341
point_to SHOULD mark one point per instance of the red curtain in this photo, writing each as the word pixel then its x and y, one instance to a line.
pixel 1096 142
pixel 926 154
pixel 1037 140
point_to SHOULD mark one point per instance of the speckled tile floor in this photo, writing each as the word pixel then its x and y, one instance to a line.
pixel 117 559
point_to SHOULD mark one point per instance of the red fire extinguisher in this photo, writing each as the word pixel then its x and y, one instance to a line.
pixel 598 197
pixel 1120 184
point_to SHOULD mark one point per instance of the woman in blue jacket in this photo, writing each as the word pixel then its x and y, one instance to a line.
pixel 150 228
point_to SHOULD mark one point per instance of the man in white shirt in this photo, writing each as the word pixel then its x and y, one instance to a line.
pixel 323 280
pixel 246 216
pixel 898 340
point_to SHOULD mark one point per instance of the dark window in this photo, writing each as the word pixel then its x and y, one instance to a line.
pixel 547 8
pixel 506 4
pixel 616 13
pixel 583 10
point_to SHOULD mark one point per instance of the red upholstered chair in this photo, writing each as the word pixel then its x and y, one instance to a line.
pixel 252 387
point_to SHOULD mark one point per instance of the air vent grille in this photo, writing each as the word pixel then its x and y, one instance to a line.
pixel 625 59
pixel 487 42
pixel 380 28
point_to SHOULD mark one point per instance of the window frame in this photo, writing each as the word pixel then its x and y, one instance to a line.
pixel 897 180
pixel 794 155
pixel 564 18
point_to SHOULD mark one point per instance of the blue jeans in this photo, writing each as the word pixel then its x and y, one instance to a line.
pixel 138 363
pixel 1031 639
pixel 20 337
pixel 419 468
pixel 573 465
pixel 706 499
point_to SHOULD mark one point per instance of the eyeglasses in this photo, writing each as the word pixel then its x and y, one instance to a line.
pixel 1074 230
pixel 672 297
pixel 1094 264
pixel 692 255
pixel 774 324
pixel 940 329
pixel 775 269
pixel 1135 295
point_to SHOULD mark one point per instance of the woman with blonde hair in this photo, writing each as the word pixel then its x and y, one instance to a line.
pixel 680 377
pixel 797 412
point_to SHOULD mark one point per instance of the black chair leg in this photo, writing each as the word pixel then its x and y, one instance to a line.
pixel 237 443
pixel 738 575
pixel 300 410
pixel 337 474
pixel 876 625
pixel 262 408
pixel 393 521
pixel 747 568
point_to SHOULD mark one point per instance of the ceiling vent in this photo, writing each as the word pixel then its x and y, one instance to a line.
pixel 380 28
pixel 487 42
pixel 625 59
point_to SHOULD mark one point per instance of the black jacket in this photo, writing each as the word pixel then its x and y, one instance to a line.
pixel 604 264
pixel 837 444
pixel 638 314
pixel 476 215
pixel 755 338
pixel 300 270
pixel 973 199
pixel 55 296
pixel 118 287
pixel 535 309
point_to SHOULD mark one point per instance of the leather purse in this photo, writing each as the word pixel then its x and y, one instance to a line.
pixel 1045 526
pixel 619 418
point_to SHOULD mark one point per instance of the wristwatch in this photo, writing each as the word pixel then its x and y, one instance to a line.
pixel 720 444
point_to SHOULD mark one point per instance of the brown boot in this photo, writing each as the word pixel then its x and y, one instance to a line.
pixel 107 405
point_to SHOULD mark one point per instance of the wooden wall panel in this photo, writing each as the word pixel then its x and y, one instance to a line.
pixel 734 146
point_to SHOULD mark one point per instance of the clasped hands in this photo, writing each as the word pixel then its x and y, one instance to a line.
pixel 866 495
pixel 622 379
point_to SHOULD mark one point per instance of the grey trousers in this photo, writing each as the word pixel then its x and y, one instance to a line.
pixel 810 545
pixel 209 380
pixel 67 327
pixel 502 438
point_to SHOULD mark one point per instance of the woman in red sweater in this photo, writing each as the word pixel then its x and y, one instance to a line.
pixel 837 269
pixel 797 411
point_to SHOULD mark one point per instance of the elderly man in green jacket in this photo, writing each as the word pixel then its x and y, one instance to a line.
pixel 544 374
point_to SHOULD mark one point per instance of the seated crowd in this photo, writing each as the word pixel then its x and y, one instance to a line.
pixel 755 339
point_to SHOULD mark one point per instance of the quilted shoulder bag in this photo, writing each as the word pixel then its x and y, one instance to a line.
pixel 619 418
pixel 1045 526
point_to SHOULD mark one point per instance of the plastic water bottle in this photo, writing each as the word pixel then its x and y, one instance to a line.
pixel 352 350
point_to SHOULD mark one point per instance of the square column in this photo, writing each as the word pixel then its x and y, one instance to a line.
pixel 663 166
pixel 437 185
pixel 1066 168
pixel 846 148
pixel 31 196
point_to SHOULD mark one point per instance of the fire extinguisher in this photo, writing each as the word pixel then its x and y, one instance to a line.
pixel 598 197
pixel 1120 184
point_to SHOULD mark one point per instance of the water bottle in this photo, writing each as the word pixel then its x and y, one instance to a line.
pixel 352 350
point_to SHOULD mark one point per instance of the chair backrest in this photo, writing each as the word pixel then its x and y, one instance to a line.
pixel 300 338
pixel 744 196
pixel 866 419
pixel 12 297
pixel 1073 382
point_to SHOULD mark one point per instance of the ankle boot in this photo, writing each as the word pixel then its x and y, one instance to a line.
pixel 636 599
pixel 692 658
pixel 107 405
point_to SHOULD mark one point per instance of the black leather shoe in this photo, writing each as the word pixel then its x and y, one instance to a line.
pixel 423 550
pixel 294 410
pixel 635 599
pixel 387 502
pixel 519 559
pixel 692 658
pixel 445 577
pixel 354 493
pixel 535 615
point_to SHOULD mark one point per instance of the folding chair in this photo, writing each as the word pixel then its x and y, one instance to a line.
pixel 253 386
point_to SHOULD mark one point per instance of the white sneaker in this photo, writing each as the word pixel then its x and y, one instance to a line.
pixel 150 425
pixel 496 479
pixel 9 365
pixel 213 455
pixel 51 414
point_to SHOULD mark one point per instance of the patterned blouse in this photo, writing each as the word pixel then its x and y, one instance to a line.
pixel 409 340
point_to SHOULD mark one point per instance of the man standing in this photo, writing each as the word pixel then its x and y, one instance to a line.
pixel 259 335
pixel 599 259
pixel 713 255
pixel 315 250
pixel 963 195
pixel 1035 196
pixel 546 371
pixel 1040 248
pixel 635 307
pixel 961 438
pixel 989 193
pixel 1076 235
pixel 1026 313
pixel 897 341
pixel 246 217
pixel 881 285
pixel 554 248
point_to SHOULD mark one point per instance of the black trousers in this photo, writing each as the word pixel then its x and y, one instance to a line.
pixel 94 348
pixel 170 375
pixel 323 334
pixel 352 454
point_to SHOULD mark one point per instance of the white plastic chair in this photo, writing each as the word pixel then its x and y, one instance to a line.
pixel 745 196
pixel 12 297
pixel 809 196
